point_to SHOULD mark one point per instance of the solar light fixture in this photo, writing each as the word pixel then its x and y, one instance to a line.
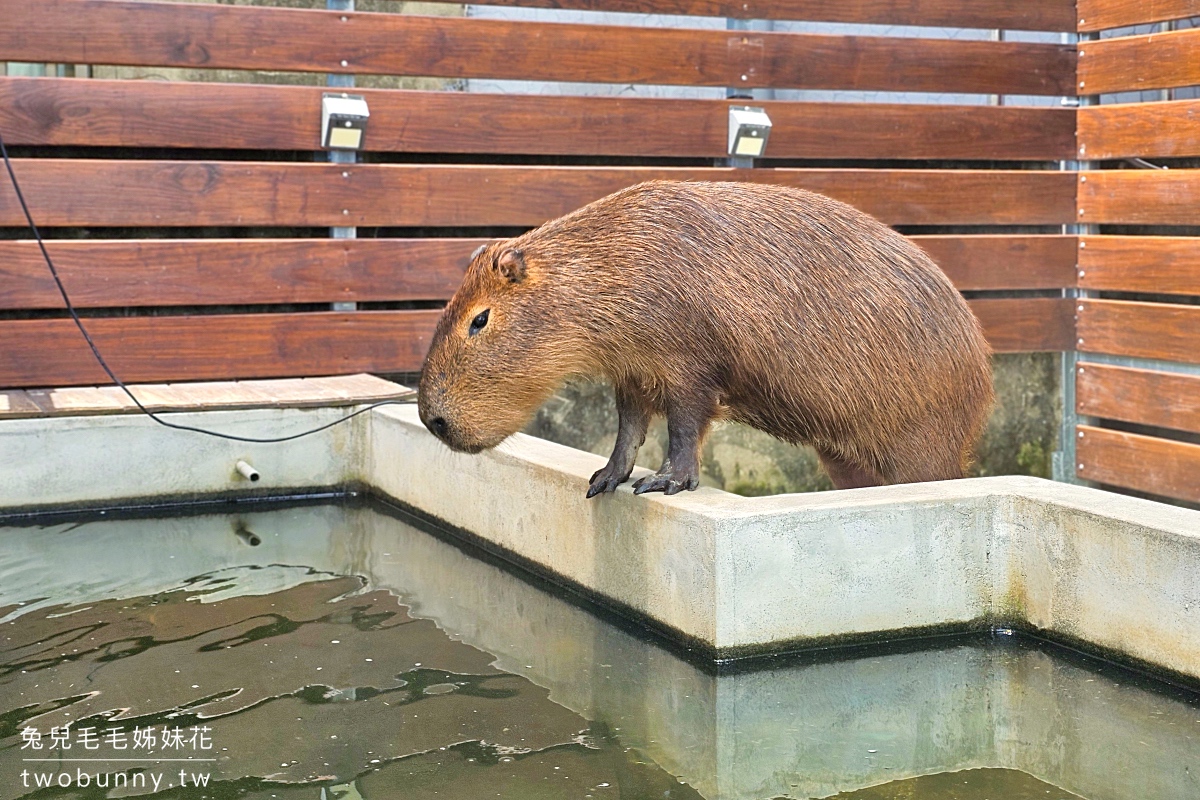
pixel 749 128
pixel 343 121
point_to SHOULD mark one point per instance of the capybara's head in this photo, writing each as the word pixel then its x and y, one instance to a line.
pixel 498 351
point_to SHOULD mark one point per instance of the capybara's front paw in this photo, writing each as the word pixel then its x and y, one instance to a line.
pixel 607 479
pixel 670 482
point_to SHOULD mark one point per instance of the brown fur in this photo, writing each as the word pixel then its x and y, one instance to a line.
pixel 779 308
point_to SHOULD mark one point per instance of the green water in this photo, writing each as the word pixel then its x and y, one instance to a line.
pixel 349 655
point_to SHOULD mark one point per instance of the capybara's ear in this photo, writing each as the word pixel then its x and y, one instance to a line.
pixel 511 264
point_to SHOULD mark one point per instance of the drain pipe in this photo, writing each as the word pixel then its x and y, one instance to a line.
pixel 248 472
pixel 246 535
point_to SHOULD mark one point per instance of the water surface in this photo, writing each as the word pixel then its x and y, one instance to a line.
pixel 350 655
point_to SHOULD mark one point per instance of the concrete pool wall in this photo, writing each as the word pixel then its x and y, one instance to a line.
pixel 733 575
pixel 808 727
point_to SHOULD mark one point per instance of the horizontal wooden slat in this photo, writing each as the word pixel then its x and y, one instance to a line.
pixel 1146 130
pixel 91 192
pixel 51 352
pixel 1140 196
pixel 1154 264
pixel 1097 15
pixel 1147 397
pixel 1133 63
pixel 1025 325
pixel 1032 15
pixel 151 272
pixel 216 36
pixel 995 262
pixel 66 111
pixel 1145 463
pixel 159 272
pixel 1143 330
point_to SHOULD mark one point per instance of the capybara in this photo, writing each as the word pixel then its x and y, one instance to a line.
pixel 780 308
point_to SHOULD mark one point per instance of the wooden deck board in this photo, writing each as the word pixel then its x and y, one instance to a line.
pixel 343 390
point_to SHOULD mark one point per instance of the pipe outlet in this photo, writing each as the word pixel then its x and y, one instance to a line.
pixel 248 472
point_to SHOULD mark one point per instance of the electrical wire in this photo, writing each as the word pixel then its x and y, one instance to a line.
pixel 108 370
pixel 1144 164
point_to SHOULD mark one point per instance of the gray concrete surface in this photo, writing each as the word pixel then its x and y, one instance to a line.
pixel 98 460
pixel 749 573
pixel 737 574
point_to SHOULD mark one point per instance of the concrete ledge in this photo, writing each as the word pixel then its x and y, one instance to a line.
pixel 735 575
pixel 807 729
pixel 91 446
pixel 58 462
pixel 744 575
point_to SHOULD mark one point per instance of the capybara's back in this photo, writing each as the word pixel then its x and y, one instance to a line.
pixel 776 307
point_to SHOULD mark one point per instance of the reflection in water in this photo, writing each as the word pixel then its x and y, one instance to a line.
pixel 323 683
pixel 348 655
pixel 1001 784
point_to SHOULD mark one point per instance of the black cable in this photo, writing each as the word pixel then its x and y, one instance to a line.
pixel 104 364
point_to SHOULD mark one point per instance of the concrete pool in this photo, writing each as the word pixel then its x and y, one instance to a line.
pixel 724 575
pixel 351 654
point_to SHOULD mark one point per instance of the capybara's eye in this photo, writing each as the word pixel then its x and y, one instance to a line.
pixel 477 324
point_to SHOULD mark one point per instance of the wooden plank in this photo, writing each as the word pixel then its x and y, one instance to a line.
pixel 1032 15
pixel 1134 63
pixel 1147 397
pixel 1153 264
pixel 158 272
pixel 996 262
pixel 1146 130
pixel 1142 330
pixel 1139 196
pixel 340 390
pixel 1145 463
pixel 1026 324
pixel 17 403
pixel 1098 15
pixel 66 111
pixel 164 272
pixel 211 36
pixel 155 272
pixel 51 352
pixel 94 192
pixel 43 352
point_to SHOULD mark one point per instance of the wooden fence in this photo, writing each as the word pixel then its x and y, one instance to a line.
pixel 1138 319
pixel 167 258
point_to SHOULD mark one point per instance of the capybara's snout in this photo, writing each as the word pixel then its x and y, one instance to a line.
pixel 441 423
pixel 432 415
pixel 438 427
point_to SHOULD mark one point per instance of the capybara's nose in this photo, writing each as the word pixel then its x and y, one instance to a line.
pixel 439 427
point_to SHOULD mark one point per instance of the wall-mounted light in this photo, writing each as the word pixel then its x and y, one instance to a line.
pixel 749 128
pixel 343 121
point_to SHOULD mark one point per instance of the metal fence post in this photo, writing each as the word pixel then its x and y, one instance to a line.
pixel 1062 461
pixel 341 156
pixel 742 93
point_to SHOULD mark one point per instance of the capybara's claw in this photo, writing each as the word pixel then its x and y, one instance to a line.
pixel 604 481
pixel 667 483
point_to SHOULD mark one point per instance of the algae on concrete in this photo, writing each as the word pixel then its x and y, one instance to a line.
pixel 1018 440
